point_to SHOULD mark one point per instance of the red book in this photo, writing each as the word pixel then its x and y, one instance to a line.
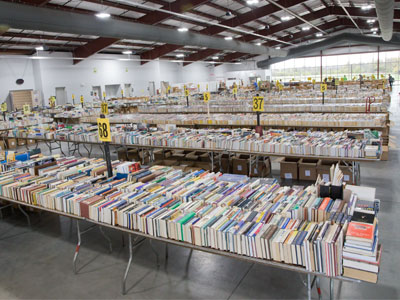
pixel 361 231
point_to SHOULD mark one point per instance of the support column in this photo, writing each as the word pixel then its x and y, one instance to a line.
pixel 378 64
pixel 320 67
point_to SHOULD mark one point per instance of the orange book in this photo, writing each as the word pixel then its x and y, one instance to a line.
pixel 324 203
pixel 361 231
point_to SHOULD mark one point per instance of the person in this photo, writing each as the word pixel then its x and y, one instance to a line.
pixel 391 80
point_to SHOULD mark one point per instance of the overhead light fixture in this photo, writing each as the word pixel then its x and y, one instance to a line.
pixel 258 44
pixel 371 21
pixel 180 55
pixel 182 29
pixel 305 28
pixel 374 29
pixel 103 15
pixel 39 48
pixel 319 34
pixel 366 7
pixel 374 32
pixel 228 38
pixel 251 2
pixel 285 18
pixel 237 63
pixel 127 52
pixel 277 48
pixel 228 13
pixel 215 57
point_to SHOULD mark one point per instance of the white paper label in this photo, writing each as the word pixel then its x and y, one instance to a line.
pixel 255 171
pixel 325 177
pixel 346 177
pixel 307 173
pixel 288 176
pixel 239 168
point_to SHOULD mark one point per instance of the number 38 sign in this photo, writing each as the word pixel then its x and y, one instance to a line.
pixel 103 125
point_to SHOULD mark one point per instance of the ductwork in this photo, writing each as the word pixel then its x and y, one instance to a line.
pixel 45 19
pixel 385 12
pixel 337 40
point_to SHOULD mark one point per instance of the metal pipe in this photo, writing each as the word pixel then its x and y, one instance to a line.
pixel 351 18
pixel 45 19
pixel 385 12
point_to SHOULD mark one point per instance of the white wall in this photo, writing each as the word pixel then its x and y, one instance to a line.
pixel 10 71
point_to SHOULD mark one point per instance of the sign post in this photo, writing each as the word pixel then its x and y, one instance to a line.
pixel 234 92
pixel 187 96
pixel 336 84
pixel 104 131
pixel 4 110
pixel 258 107
pixel 206 97
pixel 324 87
pixel 122 93
pixel 73 99
pixel 82 101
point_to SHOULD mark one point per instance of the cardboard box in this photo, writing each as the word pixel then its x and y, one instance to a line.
pixel 192 156
pixel 31 142
pixel 161 154
pixel 21 142
pixel 2 145
pixel 261 169
pixel 308 169
pixel 122 155
pixel 165 162
pixel 324 167
pixel 11 143
pixel 347 173
pixel 240 164
pixel 226 165
pixel 203 165
pixel 133 155
pixel 289 167
pixel 204 157
pixel 385 153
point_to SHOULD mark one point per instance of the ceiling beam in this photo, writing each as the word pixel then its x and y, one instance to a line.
pixel 178 6
pixel 213 29
pixel 16 52
pixel 92 47
pixel 200 56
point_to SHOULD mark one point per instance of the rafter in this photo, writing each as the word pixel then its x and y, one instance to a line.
pixel 92 47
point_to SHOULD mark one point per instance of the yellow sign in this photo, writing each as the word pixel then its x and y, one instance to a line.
pixel 234 91
pixel 122 92
pixel 206 96
pixel 168 89
pixel 104 95
pixel 383 86
pixel 280 87
pixel 27 109
pixel 198 87
pixel 207 86
pixel 373 77
pixel 186 93
pixel 313 81
pixel 52 101
pixel 73 97
pixel 104 108
pixel 104 131
pixel 81 99
pixel 324 87
pixel 4 107
pixel 309 78
pixel 258 103
pixel 382 76
pixel 330 78
pixel 336 81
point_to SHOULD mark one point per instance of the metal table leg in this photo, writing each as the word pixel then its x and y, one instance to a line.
pixel 319 288
pixel 25 214
pixel 331 292
pixel 106 237
pixel 155 252
pixel 128 265
pixel 166 252
pixel 77 247
pixel 309 286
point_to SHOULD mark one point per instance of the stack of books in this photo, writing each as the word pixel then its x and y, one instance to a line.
pixel 257 218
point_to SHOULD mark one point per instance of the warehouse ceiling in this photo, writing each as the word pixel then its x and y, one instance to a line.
pixel 282 24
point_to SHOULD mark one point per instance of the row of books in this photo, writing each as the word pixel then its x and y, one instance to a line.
pixel 300 119
pixel 235 108
pixel 355 144
pixel 19 120
pixel 225 212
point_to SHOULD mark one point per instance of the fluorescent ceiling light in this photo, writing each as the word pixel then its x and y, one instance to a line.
pixel 127 52
pixel 180 55
pixel 306 28
pixel 285 18
pixel 39 48
pixel 258 44
pixel 182 29
pixel 366 7
pixel 319 34
pixel 228 38
pixel 250 2
pixel 103 15
pixel 374 29
pixel 370 21
pixel 237 63
pixel 215 57
pixel 277 48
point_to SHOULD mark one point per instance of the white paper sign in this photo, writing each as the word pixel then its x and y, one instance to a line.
pixel 325 177
pixel 307 173
pixel 239 167
pixel 288 176
pixel 346 177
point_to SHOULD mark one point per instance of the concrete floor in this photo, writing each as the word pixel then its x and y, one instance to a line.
pixel 37 262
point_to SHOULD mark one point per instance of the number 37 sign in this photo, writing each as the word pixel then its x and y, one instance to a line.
pixel 104 129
